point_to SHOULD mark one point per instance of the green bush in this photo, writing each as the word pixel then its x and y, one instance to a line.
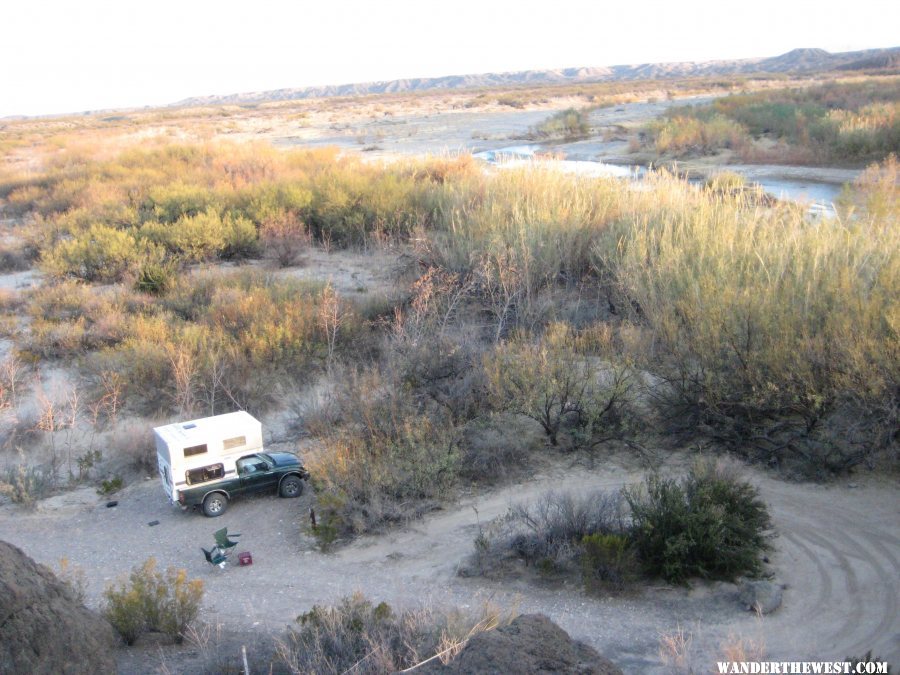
pixel 155 276
pixel 608 562
pixel 710 525
pixel 101 253
pixel 568 124
pixel 195 237
pixel 110 486
pixel 150 601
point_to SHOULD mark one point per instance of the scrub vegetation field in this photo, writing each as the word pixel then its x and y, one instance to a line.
pixel 521 316
pixel 834 123
pixel 597 310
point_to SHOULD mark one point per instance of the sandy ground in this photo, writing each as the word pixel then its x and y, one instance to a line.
pixel 837 550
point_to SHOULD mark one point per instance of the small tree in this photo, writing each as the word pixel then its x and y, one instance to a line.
pixel 332 315
pixel 558 387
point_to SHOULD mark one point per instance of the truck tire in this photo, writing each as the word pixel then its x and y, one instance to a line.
pixel 291 486
pixel 214 504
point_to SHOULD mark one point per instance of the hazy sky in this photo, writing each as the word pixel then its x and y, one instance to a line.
pixel 86 54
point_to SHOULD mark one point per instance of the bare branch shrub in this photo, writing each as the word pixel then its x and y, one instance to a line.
pixel 547 534
pixel 564 390
pixel 285 238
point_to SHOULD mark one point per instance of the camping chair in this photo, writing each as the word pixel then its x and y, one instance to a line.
pixel 221 552
pixel 215 556
pixel 223 542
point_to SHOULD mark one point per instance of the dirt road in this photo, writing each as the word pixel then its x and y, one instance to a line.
pixel 838 552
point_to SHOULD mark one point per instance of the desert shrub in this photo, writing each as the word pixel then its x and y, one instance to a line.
pixel 101 253
pixel 12 384
pixel 208 341
pixel 547 534
pixel 432 362
pixel 565 125
pixel 710 525
pixel 70 318
pixel 25 483
pixel 176 201
pixel 680 136
pixel 608 562
pixel 110 486
pixel 14 259
pixel 201 236
pixel 377 476
pixel 361 636
pixel 561 389
pixel 241 238
pixel 496 448
pixel 350 204
pixel 74 577
pixel 152 601
pixel 284 238
pixel 155 276
pixel 144 367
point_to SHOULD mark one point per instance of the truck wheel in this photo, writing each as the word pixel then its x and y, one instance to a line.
pixel 214 504
pixel 291 486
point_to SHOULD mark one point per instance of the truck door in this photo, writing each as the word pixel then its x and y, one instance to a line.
pixel 256 474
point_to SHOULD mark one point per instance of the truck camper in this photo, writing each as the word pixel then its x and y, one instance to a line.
pixel 207 462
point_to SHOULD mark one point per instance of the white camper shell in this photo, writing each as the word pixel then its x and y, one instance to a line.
pixel 204 450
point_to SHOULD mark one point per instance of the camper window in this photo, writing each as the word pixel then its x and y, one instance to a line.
pixel 195 450
pixel 232 443
pixel 204 474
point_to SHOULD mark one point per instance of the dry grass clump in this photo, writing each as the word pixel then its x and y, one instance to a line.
pixel 765 326
pixel 359 636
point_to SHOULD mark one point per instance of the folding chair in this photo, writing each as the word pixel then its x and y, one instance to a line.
pixel 223 542
pixel 215 556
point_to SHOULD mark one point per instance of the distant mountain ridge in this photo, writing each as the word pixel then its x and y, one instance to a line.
pixel 794 61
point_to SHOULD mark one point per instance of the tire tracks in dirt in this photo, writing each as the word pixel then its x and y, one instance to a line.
pixel 854 606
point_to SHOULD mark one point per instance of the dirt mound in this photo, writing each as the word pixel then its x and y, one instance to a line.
pixel 530 644
pixel 43 628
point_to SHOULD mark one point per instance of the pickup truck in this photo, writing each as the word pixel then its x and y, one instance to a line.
pixel 280 472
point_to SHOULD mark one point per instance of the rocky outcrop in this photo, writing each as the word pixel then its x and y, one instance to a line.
pixel 43 628
pixel 530 645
